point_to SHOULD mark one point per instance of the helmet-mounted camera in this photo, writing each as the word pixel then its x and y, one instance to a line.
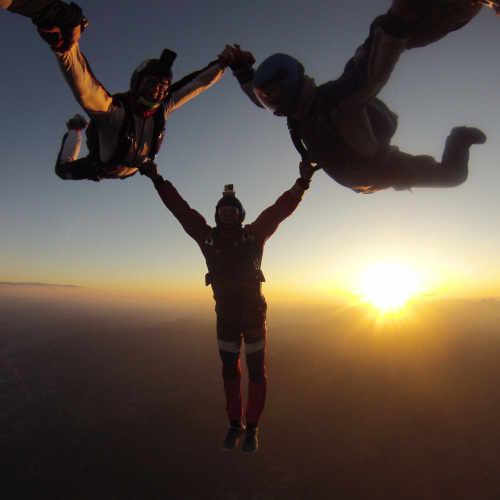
pixel 229 190
pixel 229 199
pixel 167 59
pixel 161 66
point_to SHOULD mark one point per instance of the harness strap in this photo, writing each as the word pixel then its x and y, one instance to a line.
pixel 299 144
pixel 158 132
pixel 297 140
pixel 125 137
pixel 222 281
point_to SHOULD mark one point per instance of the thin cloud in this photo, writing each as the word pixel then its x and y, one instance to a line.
pixel 27 283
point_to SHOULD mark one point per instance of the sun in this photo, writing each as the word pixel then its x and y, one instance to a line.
pixel 388 286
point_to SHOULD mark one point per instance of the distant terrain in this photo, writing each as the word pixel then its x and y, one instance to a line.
pixel 404 409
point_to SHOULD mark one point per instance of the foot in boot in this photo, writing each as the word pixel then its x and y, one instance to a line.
pixel 78 122
pixel 468 135
pixel 232 437
pixel 250 444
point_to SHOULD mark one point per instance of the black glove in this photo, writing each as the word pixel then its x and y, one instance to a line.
pixel 240 61
pixel 61 25
pixel 306 174
pixel 150 169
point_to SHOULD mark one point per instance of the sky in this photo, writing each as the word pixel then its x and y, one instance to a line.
pixel 115 241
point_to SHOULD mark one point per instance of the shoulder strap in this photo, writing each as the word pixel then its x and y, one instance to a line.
pixel 158 131
pixel 323 122
pixel 211 237
pixel 293 128
pixel 127 132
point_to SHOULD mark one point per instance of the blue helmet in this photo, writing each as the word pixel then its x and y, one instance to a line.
pixel 288 73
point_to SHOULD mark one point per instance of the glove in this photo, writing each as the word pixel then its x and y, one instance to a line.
pixel 61 28
pixel 150 169
pixel 241 57
pixel 306 171
pixel 236 58
pixel 240 61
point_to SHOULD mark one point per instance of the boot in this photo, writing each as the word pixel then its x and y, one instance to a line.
pixel 455 159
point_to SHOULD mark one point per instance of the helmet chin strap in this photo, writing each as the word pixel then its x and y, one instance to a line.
pixel 150 105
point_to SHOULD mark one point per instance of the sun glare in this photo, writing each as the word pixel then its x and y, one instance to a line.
pixel 388 286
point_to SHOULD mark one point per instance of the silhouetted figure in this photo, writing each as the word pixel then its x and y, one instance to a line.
pixel 341 125
pixel 233 254
pixel 126 129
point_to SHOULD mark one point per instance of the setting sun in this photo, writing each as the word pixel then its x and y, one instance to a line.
pixel 388 286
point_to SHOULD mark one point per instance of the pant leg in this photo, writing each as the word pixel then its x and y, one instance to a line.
pixel 257 386
pixel 364 77
pixel 255 335
pixel 231 376
pixel 70 147
pixel 50 12
pixel 408 171
pixel 67 166
pixel 27 8
pixel 229 339
pixel 434 19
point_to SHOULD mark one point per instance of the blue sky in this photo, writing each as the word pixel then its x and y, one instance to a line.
pixel 115 238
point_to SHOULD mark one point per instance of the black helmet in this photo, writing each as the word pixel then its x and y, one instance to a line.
pixel 162 66
pixel 288 73
pixel 229 199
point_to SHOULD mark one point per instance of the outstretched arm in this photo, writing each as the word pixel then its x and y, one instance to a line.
pixel 195 83
pixel 269 220
pixel 88 91
pixel 192 221
pixel 59 24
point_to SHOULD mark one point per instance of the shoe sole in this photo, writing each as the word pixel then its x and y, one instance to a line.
pixel 249 452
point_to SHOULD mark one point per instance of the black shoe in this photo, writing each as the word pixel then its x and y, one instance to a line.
pixel 78 122
pixel 468 135
pixel 232 437
pixel 251 444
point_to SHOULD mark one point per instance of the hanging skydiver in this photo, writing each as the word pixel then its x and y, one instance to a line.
pixel 125 129
pixel 233 255
pixel 341 125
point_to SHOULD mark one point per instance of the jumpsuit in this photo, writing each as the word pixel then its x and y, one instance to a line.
pixel 107 113
pixel 240 305
pixel 347 130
